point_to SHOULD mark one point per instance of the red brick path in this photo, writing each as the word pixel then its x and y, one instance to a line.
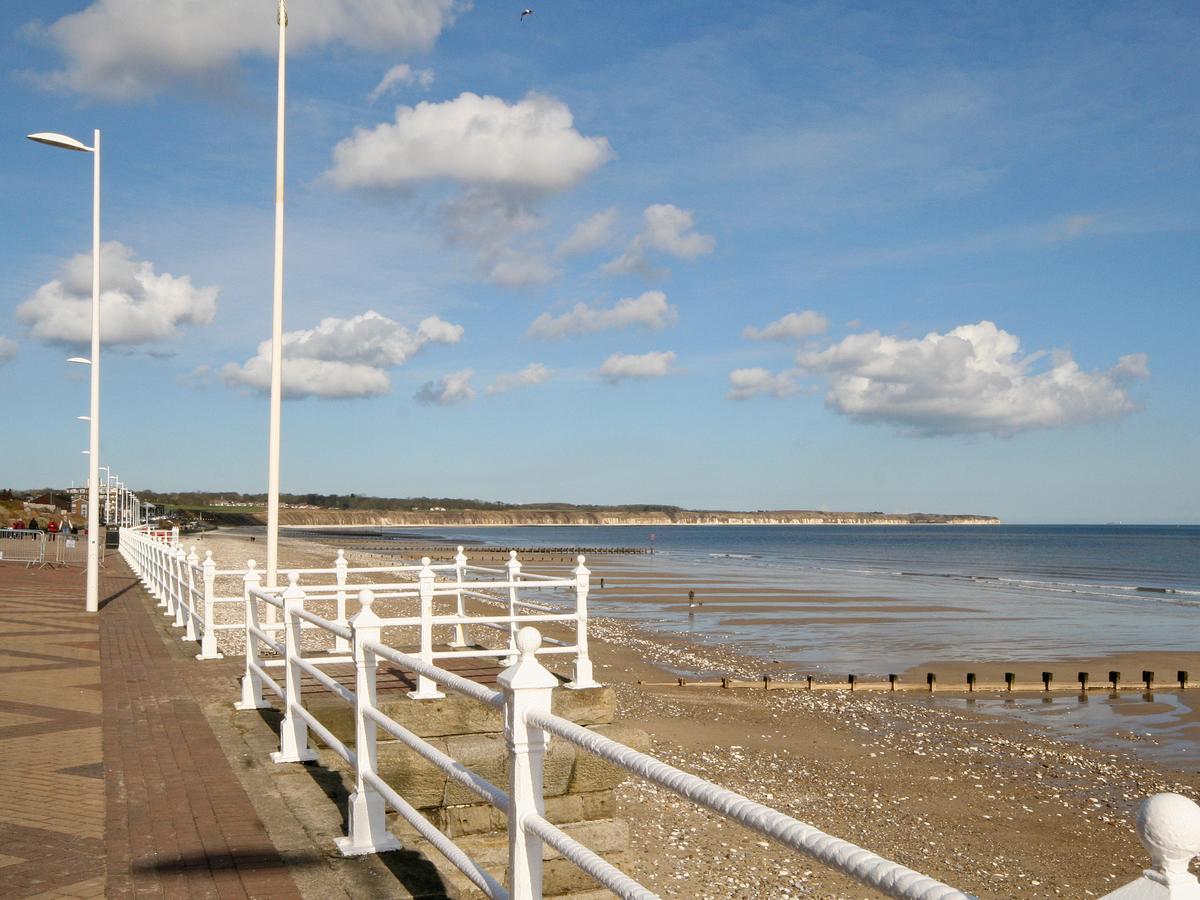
pixel 107 764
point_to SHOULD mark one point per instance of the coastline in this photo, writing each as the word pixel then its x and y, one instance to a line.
pixel 994 805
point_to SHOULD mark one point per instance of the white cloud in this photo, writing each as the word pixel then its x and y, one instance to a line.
pixel 746 383
pixel 591 234
pixel 668 229
pixel 199 377
pixel 341 357
pixel 1132 366
pixel 137 304
pixel 447 390
pixel 792 327
pixel 126 49
pixel 496 226
pixel 530 146
pixel 401 74
pixel 620 366
pixel 973 379
pixel 650 310
pixel 534 373
pixel 512 269
pixel 8 349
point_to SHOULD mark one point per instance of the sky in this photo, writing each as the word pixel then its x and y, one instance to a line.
pixel 850 256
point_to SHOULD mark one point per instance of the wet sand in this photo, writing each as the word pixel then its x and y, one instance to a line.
pixel 995 805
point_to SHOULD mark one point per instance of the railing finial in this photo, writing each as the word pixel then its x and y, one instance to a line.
pixel 529 640
pixel 1169 828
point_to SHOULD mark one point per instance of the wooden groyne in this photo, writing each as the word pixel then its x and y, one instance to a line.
pixel 1082 684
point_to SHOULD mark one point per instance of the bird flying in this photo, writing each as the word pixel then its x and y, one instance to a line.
pixel 526 12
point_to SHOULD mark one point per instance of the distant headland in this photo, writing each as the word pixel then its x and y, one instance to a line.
pixel 353 509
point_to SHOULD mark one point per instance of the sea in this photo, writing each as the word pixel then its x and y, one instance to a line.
pixel 871 600
pixel 910 593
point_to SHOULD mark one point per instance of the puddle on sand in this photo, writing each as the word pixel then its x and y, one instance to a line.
pixel 1158 727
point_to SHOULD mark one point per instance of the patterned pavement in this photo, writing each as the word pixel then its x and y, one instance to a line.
pixel 111 780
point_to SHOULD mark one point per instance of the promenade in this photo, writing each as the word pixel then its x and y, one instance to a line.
pixel 112 781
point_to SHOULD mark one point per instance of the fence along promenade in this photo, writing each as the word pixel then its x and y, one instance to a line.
pixel 42 548
pixel 1168 824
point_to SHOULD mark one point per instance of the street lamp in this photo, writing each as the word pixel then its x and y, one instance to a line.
pixel 92 600
pixel 273 440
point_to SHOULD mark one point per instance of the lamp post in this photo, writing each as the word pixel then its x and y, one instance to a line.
pixel 273 440
pixel 92 600
pixel 92 603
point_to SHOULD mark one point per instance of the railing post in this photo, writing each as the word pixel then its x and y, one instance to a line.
pixel 514 573
pixel 180 557
pixel 1169 828
pixel 340 644
pixel 159 570
pixel 175 585
pixel 426 687
pixel 208 641
pixel 367 831
pixel 583 663
pixel 193 561
pixel 293 730
pixel 174 537
pixel 527 687
pixel 460 571
pixel 252 696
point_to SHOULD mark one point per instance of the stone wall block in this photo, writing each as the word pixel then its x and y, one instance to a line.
pixel 593 774
pixel 414 778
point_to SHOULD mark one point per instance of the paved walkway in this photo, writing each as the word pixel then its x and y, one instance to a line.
pixel 112 782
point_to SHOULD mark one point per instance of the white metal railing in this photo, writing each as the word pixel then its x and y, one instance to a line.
pixel 433 598
pixel 1168 824
pixel 526 689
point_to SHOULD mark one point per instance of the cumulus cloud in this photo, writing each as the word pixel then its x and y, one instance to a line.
pixel 341 357
pixel 137 304
pixel 591 234
pixel 668 229
pixel 620 366
pixel 128 49
pixel 792 327
pixel 972 379
pixel 534 373
pixel 530 146
pixel 402 74
pixel 650 310
pixel 8 349
pixel 447 390
pixel 747 383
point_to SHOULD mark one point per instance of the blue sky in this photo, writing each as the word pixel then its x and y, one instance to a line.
pixel 823 255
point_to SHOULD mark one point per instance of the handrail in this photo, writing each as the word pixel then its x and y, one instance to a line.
pixel 605 873
pixel 891 878
pixel 449 679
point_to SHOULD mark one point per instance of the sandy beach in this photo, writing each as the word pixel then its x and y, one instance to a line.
pixel 998 805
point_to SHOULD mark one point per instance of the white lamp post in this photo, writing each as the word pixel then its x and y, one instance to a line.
pixel 92 601
pixel 276 322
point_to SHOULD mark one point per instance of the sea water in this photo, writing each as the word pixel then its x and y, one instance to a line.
pixel 910 593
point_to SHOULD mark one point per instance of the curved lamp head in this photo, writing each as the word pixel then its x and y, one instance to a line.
pixel 60 140
pixel 80 359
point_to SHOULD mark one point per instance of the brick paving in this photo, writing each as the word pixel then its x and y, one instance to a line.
pixel 112 782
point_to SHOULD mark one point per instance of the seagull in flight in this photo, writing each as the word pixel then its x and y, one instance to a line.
pixel 526 12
